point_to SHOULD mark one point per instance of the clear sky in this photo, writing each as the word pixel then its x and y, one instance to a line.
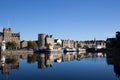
pixel 64 19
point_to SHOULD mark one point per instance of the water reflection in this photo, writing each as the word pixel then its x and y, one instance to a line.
pixel 44 60
pixel 48 60
pixel 10 62
pixel 113 58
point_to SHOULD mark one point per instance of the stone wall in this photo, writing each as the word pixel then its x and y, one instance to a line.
pixel 17 52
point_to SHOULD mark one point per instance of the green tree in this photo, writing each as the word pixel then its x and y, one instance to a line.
pixel 85 47
pixel 32 44
pixel 58 44
pixel 8 45
pixel 11 45
pixel 78 45
pixel 14 45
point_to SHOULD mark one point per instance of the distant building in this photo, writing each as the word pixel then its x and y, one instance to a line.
pixel 8 36
pixel 100 44
pixel 49 40
pixel 94 43
pixel 41 39
pixel 65 43
pixel 23 44
pixel 68 43
pixel 58 41
pixel 57 44
pixel 71 44
pixel 75 44
pixel 44 39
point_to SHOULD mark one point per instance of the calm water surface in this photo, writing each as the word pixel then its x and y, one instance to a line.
pixel 67 66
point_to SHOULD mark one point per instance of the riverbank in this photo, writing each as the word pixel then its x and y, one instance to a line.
pixel 14 52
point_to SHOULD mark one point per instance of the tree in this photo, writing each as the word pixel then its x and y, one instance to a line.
pixel 118 35
pixel 32 45
pixel 85 47
pixel 115 43
pixel 8 45
pixel 117 39
pixel 58 44
pixel 11 45
pixel 78 45
pixel 14 45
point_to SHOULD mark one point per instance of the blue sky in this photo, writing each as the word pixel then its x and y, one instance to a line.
pixel 64 19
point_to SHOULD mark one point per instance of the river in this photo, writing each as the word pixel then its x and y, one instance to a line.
pixel 60 66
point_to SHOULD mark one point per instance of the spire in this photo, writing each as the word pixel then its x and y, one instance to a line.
pixel 8 23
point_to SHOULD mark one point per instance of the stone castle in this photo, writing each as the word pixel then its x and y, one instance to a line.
pixel 8 36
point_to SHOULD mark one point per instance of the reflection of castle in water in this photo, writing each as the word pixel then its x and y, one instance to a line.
pixel 47 60
pixel 44 60
pixel 12 62
pixel 113 58
pixel 9 62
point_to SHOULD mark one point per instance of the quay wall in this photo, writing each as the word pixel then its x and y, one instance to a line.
pixel 17 52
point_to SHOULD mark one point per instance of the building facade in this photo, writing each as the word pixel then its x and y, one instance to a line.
pixel 44 39
pixel 23 44
pixel 49 40
pixel 68 43
pixel 41 40
pixel 94 43
pixel 8 36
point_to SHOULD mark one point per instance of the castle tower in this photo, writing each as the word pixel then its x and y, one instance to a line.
pixel 41 40
pixel 7 33
pixel 8 36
